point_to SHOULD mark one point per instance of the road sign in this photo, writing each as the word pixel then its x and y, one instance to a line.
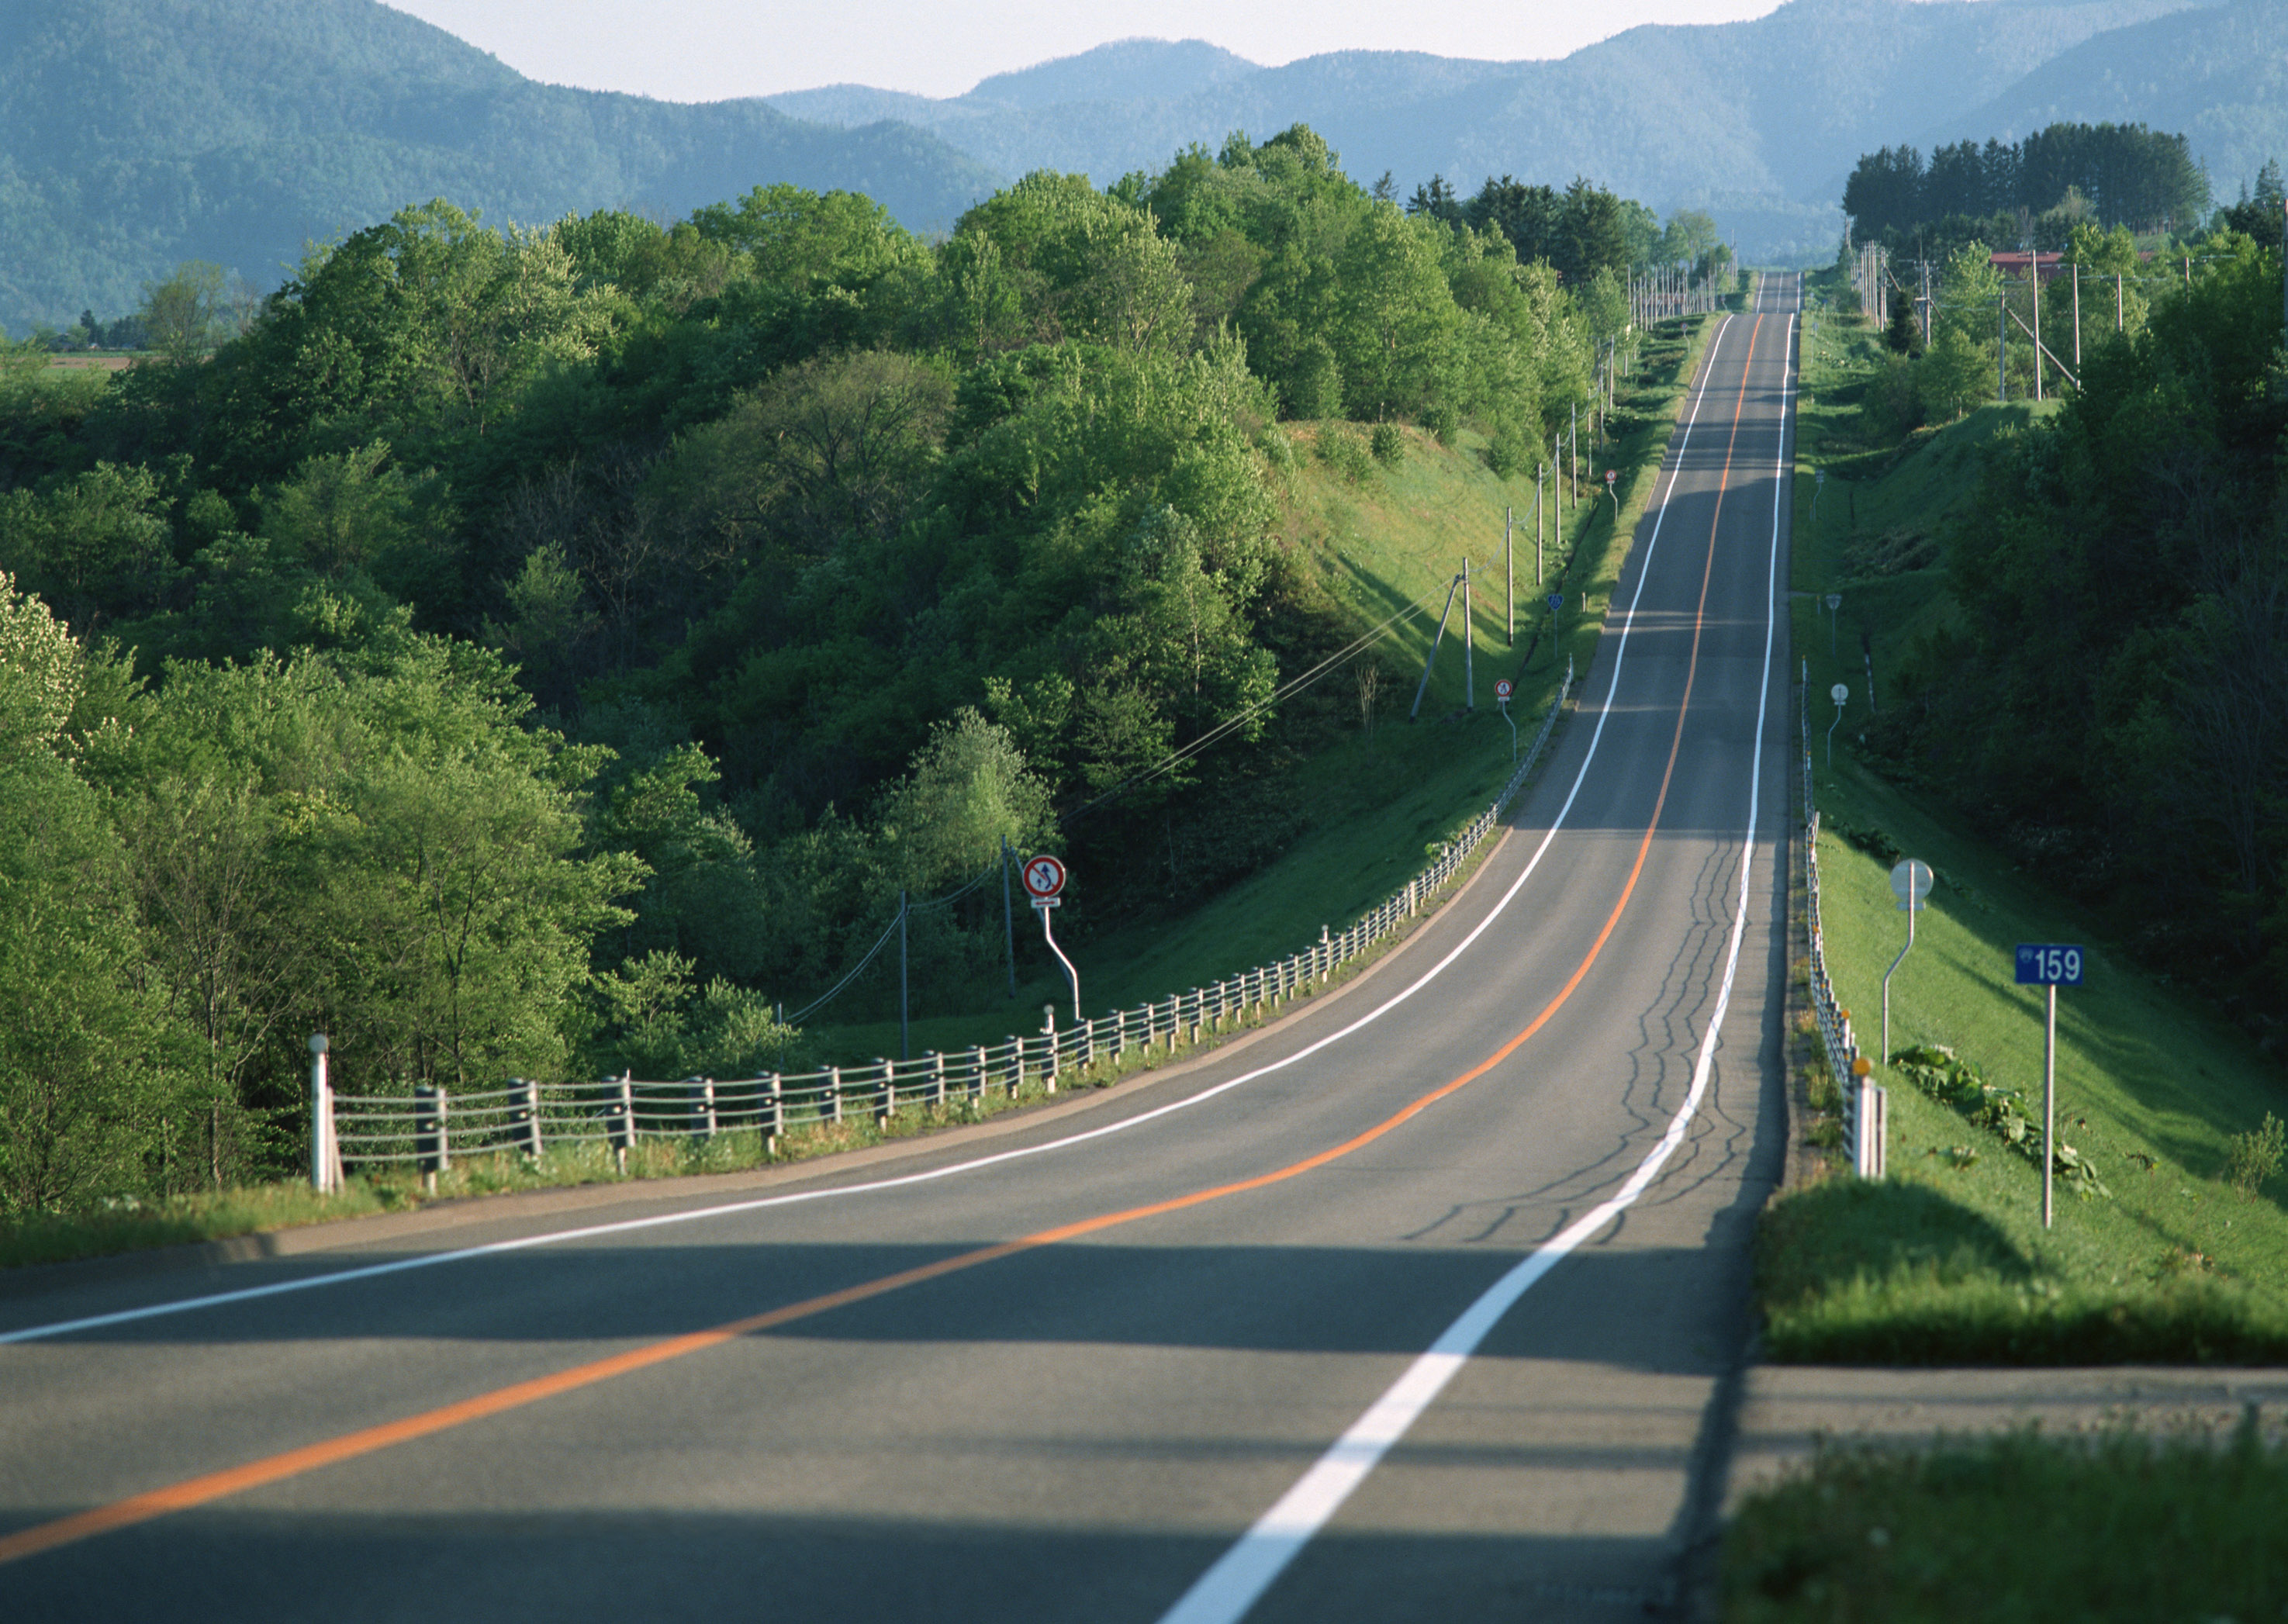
pixel 1910 882
pixel 2049 964
pixel 1834 601
pixel 1611 474
pixel 1556 602
pixel 1502 689
pixel 1821 476
pixel 1044 877
pixel 1838 694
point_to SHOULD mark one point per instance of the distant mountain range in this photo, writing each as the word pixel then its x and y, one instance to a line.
pixel 137 133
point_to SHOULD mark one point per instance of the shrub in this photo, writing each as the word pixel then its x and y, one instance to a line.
pixel 1388 444
pixel 1343 451
pixel 2255 1156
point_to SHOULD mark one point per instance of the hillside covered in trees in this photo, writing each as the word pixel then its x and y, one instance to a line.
pixel 2108 699
pixel 2056 178
pixel 136 134
pixel 525 652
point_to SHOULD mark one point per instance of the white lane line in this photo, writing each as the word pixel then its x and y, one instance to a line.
pixel 1224 1594
pixel 623 1227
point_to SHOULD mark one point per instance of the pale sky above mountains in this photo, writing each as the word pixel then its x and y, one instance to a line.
pixel 712 50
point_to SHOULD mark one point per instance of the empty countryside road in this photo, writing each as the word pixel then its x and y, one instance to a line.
pixel 1277 1339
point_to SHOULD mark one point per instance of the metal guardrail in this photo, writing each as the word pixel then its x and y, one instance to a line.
pixel 427 1127
pixel 1865 1106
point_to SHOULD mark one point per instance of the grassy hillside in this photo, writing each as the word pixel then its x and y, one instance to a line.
pixel 1947 1261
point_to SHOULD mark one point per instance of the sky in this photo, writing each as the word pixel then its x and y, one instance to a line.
pixel 712 50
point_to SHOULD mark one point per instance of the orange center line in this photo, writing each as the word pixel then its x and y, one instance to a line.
pixel 199 1490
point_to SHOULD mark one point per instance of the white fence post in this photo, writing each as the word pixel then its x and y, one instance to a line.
pixel 431 1156
pixel 322 1124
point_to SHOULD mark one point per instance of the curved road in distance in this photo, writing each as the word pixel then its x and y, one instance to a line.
pixel 1423 1304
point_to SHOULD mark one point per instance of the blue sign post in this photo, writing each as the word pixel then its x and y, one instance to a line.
pixel 2050 965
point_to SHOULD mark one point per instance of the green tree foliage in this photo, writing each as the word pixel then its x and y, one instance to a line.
pixel 548 650
pixel 2114 702
pixel 182 314
pixel 2262 214
pixel 2127 174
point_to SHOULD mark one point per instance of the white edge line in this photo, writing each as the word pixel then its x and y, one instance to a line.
pixel 430 1259
pixel 1225 1593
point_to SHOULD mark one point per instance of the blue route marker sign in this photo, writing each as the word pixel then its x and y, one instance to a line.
pixel 2049 964
pixel 1556 602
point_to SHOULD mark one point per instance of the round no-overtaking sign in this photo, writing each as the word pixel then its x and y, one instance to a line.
pixel 1045 876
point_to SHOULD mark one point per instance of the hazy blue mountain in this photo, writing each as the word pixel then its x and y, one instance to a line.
pixel 137 133
pixel 2219 74
pixel 1760 120
pixel 1126 70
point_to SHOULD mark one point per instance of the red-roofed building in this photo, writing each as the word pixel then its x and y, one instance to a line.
pixel 2018 265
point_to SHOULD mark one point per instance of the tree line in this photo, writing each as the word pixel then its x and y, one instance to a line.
pixel 547 651
pixel 2064 175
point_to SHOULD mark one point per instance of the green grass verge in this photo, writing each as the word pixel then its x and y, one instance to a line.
pixel 1946 1262
pixel 2020 1529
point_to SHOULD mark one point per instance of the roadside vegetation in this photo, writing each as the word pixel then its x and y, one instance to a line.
pixel 549 652
pixel 2171 1243
pixel 1380 801
pixel 2021 1528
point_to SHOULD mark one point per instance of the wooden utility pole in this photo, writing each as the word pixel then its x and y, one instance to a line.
pixel 2038 323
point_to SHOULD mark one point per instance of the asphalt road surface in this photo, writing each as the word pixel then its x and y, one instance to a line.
pixel 1427 1303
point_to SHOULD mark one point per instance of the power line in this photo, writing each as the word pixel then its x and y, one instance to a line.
pixel 1223 730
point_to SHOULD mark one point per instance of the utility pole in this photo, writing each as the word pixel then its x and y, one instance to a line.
pixel 1539 469
pixel 1469 646
pixel 2117 302
pixel 905 1039
pixel 2036 256
pixel 1509 571
pixel 2002 347
pixel 2076 318
pixel 1008 917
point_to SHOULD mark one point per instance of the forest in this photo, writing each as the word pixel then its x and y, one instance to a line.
pixel 2105 175
pixel 539 652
